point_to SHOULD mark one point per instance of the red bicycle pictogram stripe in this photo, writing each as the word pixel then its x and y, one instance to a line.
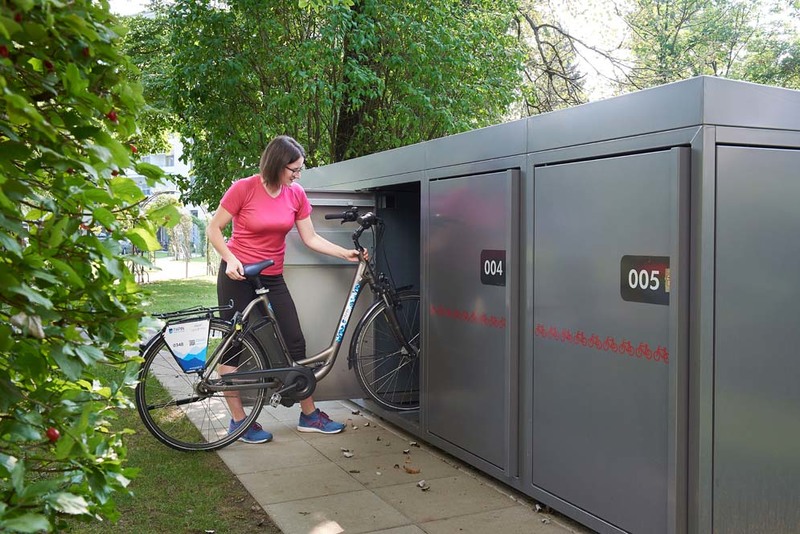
pixel 491 321
pixel 609 344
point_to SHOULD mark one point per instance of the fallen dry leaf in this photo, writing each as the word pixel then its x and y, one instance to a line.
pixel 411 470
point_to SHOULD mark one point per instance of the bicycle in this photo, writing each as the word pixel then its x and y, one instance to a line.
pixel 180 395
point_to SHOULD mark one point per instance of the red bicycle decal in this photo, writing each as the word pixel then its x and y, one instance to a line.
pixel 609 344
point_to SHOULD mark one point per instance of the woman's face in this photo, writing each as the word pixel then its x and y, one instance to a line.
pixel 291 172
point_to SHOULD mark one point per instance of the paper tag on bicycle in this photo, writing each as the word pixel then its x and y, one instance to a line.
pixel 188 343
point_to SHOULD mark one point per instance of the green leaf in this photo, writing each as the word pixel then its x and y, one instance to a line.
pixel 12 150
pixel 168 215
pixel 27 523
pixel 143 239
pixel 33 296
pixel 66 269
pixel 7 463
pixel 10 244
pixel 57 233
pixel 88 354
pixel 68 503
pixel 74 81
pixel 19 431
pixel 149 170
pixel 39 488
pixel 8 27
pixel 18 476
pixel 71 366
pixel 129 328
pixel 125 189
pixel 104 216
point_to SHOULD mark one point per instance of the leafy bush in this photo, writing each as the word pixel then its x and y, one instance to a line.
pixel 68 303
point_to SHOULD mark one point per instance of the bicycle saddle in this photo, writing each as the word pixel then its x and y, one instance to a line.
pixel 253 269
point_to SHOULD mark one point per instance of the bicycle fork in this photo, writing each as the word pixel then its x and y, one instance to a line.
pixel 396 329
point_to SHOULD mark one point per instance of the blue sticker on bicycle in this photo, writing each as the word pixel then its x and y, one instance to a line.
pixel 188 342
pixel 351 303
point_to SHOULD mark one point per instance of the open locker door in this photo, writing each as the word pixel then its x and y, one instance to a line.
pixel 320 284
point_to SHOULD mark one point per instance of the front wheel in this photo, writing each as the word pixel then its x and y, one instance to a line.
pixel 176 411
pixel 387 371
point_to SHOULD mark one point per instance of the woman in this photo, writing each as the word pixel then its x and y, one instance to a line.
pixel 263 208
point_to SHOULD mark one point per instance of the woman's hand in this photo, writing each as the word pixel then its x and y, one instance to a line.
pixel 234 269
pixel 353 255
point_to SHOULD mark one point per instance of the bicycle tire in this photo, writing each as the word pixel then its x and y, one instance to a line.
pixel 384 368
pixel 171 410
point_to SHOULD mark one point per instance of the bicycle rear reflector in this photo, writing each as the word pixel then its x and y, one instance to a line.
pixel 188 342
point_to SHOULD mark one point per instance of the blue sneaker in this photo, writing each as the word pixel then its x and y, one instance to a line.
pixel 254 434
pixel 318 421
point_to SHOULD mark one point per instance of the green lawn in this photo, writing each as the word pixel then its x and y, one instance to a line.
pixel 175 295
pixel 179 492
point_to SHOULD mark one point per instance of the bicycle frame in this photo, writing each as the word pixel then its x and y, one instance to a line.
pixel 326 358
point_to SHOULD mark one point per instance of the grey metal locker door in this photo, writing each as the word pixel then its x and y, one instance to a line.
pixel 757 321
pixel 606 337
pixel 472 287
pixel 320 284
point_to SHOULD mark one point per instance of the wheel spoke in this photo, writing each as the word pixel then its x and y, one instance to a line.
pixel 385 369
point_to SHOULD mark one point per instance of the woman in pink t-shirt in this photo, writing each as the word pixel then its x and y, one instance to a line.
pixel 263 208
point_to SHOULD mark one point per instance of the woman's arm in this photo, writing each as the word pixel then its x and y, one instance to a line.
pixel 317 243
pixel 218 222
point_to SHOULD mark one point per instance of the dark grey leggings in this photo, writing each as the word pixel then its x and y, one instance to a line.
pixel 242 292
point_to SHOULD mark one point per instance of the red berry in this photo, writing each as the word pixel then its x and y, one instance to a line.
pixel 49 65
pixel 115 172
pixel 112 116
pixel 18 18
pixel 85 51
pixel 134 149
pixel 53 434
pixel 3 50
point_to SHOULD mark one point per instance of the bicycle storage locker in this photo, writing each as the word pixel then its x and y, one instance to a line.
pixel 651 383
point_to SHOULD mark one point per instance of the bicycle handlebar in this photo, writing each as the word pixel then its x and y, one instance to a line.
pixel 365 221
pixel 351 215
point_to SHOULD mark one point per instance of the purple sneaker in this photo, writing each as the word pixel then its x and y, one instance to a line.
pixel 318 421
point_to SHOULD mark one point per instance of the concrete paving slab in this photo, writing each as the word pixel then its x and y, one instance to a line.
pixel 370 441
pixel 295 483
pixel 354 513
pixel 446 498
pixel 390 469
pixel 244 458
pixel 513 520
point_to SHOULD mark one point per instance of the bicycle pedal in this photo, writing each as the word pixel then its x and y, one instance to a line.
pixel 275 400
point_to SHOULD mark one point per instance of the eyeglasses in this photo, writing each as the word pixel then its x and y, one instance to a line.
pixel 298 170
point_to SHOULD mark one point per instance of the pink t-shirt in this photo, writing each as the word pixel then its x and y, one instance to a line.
pixel 260 222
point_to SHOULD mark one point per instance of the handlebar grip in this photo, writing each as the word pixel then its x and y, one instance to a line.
pixel 334 216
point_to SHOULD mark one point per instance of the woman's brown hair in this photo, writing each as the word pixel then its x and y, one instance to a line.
pixel 279 153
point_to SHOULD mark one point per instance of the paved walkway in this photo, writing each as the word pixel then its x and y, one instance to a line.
pixel 374 478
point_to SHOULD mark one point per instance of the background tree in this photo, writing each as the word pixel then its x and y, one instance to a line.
pixel 552 79
pixel 145 42
pixel 773 57
pixel 345 80
pixel 68 304
pixel 679 39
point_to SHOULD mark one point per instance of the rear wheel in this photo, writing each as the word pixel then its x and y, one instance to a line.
pixel 176 413
pixel 387 371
